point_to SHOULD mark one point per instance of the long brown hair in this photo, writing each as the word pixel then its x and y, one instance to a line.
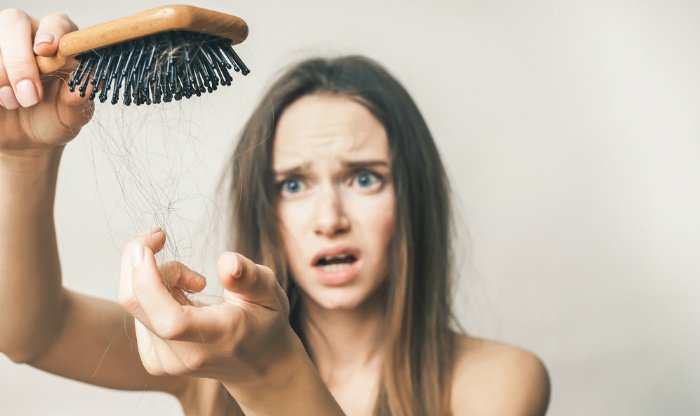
pixel 416 378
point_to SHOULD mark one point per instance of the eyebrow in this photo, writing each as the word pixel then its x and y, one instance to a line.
pixel 352 164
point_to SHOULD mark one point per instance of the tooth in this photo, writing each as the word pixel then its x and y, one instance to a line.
pixel 335 267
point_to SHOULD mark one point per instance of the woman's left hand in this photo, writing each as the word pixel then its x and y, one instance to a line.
pixel 237 341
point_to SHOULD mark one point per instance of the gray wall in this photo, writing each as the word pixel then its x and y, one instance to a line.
pixel 572 137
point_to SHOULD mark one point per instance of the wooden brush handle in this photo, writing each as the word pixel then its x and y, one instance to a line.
pixel 161 19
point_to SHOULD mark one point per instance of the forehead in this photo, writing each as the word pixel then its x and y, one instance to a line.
pixel 320 127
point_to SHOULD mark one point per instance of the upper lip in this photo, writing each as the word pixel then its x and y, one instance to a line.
pixel 335 251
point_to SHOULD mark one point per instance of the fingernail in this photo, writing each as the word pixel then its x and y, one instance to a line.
pixel 239 268
pixel 43 38
pixel 26 93
pixel 8 98
pixel 136 255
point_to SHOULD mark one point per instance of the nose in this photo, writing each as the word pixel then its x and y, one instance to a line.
pixel 331 218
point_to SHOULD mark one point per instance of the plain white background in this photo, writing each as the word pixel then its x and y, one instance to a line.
pixel 571 133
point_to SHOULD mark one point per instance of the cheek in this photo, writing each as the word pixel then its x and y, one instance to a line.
pixel 376 217
pixel 296 215
pixel 384 227
pixel 292 220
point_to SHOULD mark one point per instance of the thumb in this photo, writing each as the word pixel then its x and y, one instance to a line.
pixel 159 307
pixel 248 281
pixel 154 240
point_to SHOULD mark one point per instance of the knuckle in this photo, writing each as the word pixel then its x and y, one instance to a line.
pixel 17 67
pixel 128 303
pixel 241 329
pixel 153 368
pixel 172 368
pixel 269 282
pixel 232 334
pixel 59 15
pixel 60 21
pixel 284 301
pixel 13 13
pixel 267 276
pixel 124 296
pixel 169 328
pixel 265 270
pixel 194 361
pixel 68 22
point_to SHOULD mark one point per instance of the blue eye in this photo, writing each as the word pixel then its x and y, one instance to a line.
pixel 291 186
pixel 366 179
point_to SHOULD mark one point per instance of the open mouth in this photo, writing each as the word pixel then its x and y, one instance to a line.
pixel 336 263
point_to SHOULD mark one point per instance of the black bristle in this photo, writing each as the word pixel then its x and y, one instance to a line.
pixel 79 70
pixel 84 67
pixel 199 86
pixel 123 71
pixel 216 54
pixel 235 59
pixel 157 68
pixel 110 74
pixel 96 75
pixel 91 63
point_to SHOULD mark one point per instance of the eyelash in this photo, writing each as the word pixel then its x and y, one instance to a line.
pixel 281 184
pixel 379 180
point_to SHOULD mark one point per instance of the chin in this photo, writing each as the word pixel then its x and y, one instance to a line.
pixel 340 298
pixel 335 299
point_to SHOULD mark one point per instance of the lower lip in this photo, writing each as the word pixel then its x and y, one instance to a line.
pixel 339 278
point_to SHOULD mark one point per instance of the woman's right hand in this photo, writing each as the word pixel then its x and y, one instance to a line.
pixel 36 111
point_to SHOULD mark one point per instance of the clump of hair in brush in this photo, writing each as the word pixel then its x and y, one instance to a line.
pixel 157 68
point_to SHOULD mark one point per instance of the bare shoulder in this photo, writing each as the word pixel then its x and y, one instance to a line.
pixel 493 378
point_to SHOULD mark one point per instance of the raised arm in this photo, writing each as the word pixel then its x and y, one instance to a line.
pixel 42 323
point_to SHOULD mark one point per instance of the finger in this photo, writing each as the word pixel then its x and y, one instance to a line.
pixel 156 356
pixel 154 239
pixel 74 110
pixel 50 31
pixel 177 275
pixel 164 316
pixel 147 353
pixel 247 280
pixel 159 356
pixel 179 279
pixel 6 89
pixel 18 59
pixel 159 307
pixel 71 117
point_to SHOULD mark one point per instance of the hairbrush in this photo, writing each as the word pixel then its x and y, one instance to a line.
pixel 158 55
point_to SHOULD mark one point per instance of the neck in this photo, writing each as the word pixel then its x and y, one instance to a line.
pixel 344 342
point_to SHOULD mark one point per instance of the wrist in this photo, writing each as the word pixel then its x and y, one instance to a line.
pixel 291 386
pixel 281 366
pixel 30 161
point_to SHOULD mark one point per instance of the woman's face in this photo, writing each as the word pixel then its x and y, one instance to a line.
pixel 336 200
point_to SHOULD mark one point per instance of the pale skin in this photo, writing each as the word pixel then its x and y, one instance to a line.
pixel 332 163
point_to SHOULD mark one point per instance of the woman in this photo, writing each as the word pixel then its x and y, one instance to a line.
pixel 339 191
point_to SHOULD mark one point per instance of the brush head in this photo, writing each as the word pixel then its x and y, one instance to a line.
pixel 157 68
pixel 154 56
